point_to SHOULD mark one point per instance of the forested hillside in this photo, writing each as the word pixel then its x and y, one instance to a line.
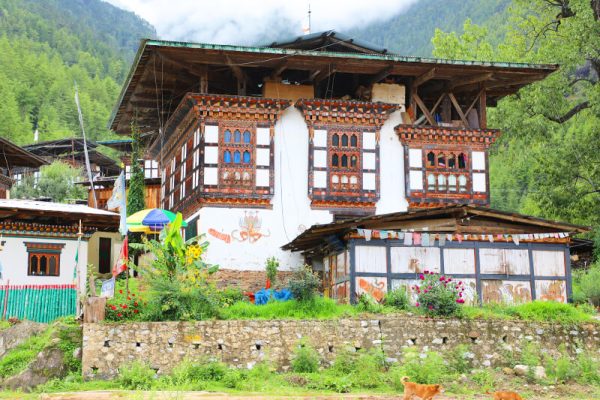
pixel 47 46
pixel 410 33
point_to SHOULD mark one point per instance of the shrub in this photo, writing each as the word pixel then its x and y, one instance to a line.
pixel 305 360
pixel 338 384
pixel 369 368
pixel 458 360
pixel 345 361
pixel 588 284
pixel 124 306
pixel 136 376
pixel 234 378
pixel 439 295
pixel 271 269
pixel 397 298
pixel 319 308
pixel 366 303
pixel 427 369
pixel 304 284
pixel 484 379
pixel 588 369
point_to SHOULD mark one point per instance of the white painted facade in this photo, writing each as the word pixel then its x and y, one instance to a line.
pixel 291 211
pixel 14 260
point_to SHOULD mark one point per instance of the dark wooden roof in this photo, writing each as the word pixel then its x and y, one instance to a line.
pixel 60 146
pixel 328 41
pixel 14 156
pixel 163 72
pixel 461 219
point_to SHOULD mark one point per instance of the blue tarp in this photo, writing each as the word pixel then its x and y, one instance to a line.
pixel 263 295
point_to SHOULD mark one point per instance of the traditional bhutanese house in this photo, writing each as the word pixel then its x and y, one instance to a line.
pixel 71 151
pixel 45 249
pixel 501 257
pixel 14 158
pixel 104 185
pixel 257 144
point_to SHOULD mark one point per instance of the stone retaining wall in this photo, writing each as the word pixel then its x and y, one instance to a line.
pixel 244 343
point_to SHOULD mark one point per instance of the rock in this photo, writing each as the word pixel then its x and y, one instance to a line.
pixel 17 334
pixel 77 353
pixel 521 370
pixel 508 371
pixel 474 334
pixel 49 364
pixel 539 372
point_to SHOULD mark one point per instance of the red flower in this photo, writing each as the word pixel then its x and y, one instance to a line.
pixel 135 303
pixel 421 277
pixel 124 306
pixel 121 291
pixel 119 315
pixel 128 298
pixel 133 294
pixel 113 307
pixel 426 272
pixel 136 311
pixel 431 307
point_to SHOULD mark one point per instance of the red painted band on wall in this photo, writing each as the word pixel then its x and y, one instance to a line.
pixel 38 287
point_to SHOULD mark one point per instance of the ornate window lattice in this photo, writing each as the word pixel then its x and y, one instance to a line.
pixel 237 143
pixel 344 166
pixel 446 171
pixel 43 259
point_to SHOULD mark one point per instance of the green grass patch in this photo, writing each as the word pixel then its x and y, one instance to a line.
pixel 318 308
pixel 539 311
pixel 4 325
pixel 19 358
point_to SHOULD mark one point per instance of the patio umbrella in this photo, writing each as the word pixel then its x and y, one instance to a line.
pixel 150 220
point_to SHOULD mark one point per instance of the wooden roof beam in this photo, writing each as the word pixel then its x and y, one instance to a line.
pixel 421 79
pixel 381 75
pixel 325 73
pixel 469 80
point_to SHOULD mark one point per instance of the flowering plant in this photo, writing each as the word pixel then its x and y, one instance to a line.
pixel 124 306
pixel 439 295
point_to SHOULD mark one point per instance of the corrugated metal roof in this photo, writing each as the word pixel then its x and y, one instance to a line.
pixel 54 207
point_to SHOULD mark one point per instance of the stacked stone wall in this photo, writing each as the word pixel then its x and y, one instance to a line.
pixel 244 343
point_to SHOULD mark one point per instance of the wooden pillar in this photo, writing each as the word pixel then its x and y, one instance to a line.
pixel 446 110
pixel 482 109
pixel 204 80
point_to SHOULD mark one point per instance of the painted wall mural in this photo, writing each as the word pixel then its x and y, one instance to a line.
pixel 510 292
pixel 376 287
pixel 250 228
pixel 551 290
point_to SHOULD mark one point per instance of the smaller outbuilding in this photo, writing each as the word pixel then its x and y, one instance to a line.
pixel 45 249
pixel 501 257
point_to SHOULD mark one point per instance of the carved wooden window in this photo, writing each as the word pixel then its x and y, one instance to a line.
pixel 344 166
pixel 446 171
pixel 196 160
pixel 43 259
pixel 236 155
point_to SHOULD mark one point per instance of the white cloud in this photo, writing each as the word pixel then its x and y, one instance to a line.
pixel 258 21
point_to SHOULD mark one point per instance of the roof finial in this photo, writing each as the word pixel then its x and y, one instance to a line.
pixel 306 29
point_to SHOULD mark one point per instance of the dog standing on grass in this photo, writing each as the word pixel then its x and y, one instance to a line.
pixel 506 396
pixel 424 392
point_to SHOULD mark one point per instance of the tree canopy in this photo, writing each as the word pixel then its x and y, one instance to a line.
pixel 56 181
pixel 547 162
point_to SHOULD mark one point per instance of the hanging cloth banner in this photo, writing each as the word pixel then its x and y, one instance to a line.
pixel 442 240
pixel 121 264
pixel 424 239
pixel 408 239
pixel 368 234
pixel 417 239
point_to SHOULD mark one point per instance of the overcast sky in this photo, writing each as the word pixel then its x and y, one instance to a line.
pixel 258 21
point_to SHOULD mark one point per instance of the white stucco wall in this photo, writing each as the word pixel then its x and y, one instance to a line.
pixel 14 262
pixel 291 213
pixel 391 168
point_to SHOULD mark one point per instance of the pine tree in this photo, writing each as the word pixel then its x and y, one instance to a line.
pixel 135 197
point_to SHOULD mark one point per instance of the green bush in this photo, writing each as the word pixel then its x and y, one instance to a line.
pixel 338 384
pixel 429 369
pixel 271 269
pixel 304 284
pixel 546 311
pixel 345 361
pixel 229 296
pixel 588 369
pixel 458 360
pixel 369 369
pixel 234 378
pixel 397 298
pixel 136 376
pixel 366 303
pixel 438 295
pixel 305 360
pixel 588 284
pixel 484 378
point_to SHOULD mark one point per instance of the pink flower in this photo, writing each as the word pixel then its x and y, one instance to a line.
pixel 421 277
pixel 460 301
pixel 429 287
pixel 460 282
pixel 417 304
pixel 425 291
pixel 431 307
pixel 460 295
pixel 426 271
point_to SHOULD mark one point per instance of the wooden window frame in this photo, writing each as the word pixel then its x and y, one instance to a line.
pixel 36 251
pixel 340 188
pixel 231 174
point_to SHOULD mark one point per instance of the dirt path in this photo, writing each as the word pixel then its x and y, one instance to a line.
pixel 120 395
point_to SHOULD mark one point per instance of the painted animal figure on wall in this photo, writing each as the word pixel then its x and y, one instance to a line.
pixel 375 289
pixel 424 392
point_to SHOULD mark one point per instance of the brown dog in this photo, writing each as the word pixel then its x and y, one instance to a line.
pixel 506 396
pixel 424 392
